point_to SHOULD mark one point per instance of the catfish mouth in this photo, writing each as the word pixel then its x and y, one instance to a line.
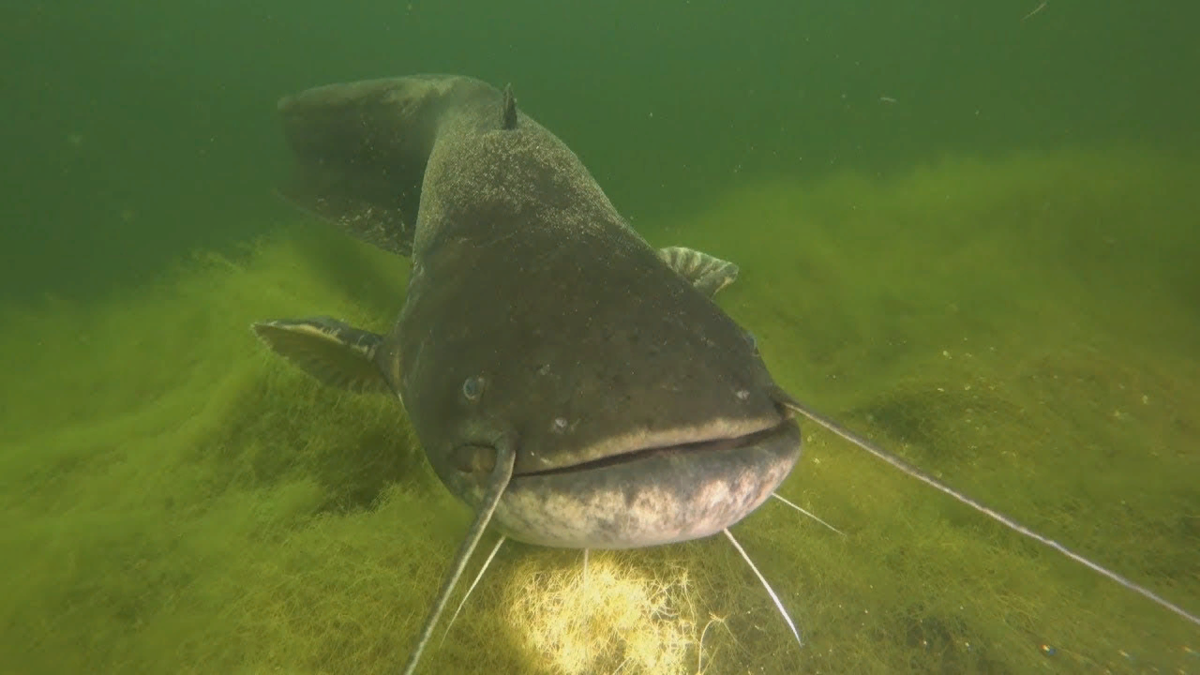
pixel 653 493
pixel 690 449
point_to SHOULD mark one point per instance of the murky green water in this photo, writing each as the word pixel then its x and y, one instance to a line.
pixel 968 233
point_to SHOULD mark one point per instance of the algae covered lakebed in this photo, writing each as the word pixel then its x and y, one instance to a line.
pixel 1027 329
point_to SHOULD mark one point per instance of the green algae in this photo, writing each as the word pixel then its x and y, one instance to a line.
pixel 178 500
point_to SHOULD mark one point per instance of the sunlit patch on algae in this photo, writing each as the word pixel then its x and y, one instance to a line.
pixel 617 618
pixel 175 499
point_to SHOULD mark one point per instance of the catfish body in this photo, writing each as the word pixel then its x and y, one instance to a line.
pixel 575 386
pixel 639 412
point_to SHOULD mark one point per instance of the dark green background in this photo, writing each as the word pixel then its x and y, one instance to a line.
pixel 172 103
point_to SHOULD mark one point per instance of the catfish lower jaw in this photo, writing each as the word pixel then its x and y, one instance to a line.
pixel 651 496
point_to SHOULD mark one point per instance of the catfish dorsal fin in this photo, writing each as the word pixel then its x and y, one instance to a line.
pixel 508 121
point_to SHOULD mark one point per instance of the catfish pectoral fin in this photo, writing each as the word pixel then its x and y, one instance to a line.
pixel 707 273
pixel 331 351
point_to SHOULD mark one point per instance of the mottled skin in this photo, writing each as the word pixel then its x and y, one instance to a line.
pixel 640 413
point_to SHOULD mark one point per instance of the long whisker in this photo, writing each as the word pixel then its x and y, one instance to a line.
pixel 985 510
pixel 497 483
pixel 806 512
pixel 770 591
pixel 584 594
pixel 486 563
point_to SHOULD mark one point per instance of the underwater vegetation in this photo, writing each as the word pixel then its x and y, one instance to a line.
pixel 177 500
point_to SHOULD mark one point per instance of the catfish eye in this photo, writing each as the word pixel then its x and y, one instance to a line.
pixel 472 388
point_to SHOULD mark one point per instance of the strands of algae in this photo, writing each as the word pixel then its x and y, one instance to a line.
pixel 616 619
pixel 175 499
